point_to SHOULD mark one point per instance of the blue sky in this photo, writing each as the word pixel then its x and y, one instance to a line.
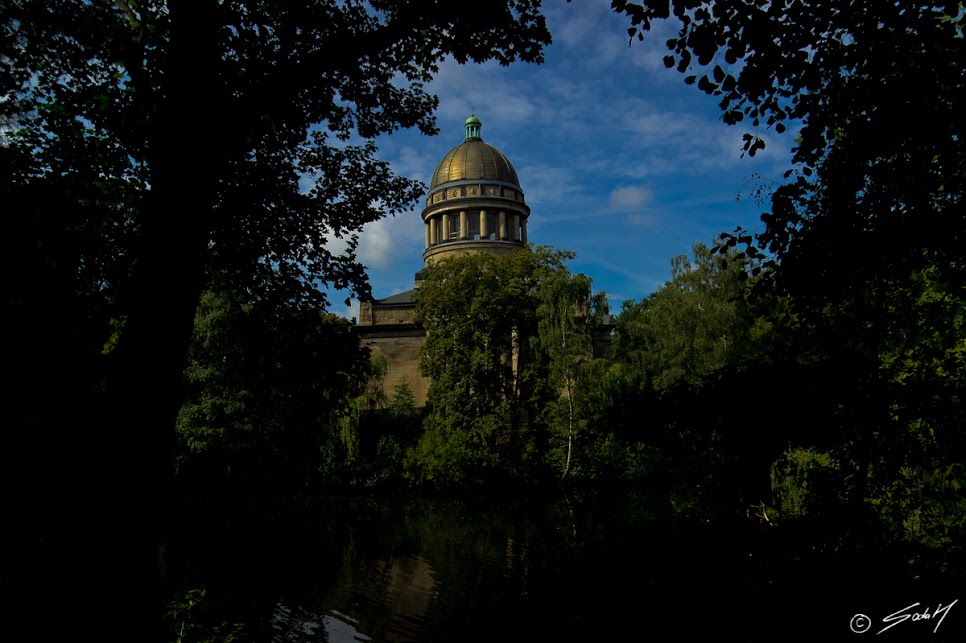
pixel 619 160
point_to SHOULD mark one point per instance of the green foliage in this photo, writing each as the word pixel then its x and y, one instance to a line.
pixel 801 480
pixel 396 434
pixel 568 315
pixel 267 386
pixel 863 240
pixel 508 339
pixel 152 150
pixel 479 314
pixel 186 617
pixel 890 354
pixel 682 358
pixel 344 444
pixel 371 437
pixel 925 504
pixel 613 441
pixel 695 325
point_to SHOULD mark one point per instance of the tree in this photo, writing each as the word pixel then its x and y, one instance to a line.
pixel 175 136
pixel 567 316
pixel 233 104
pixel 890 155
pixel 679 355
pixel 267 388
pixel 478 311
pixel 369 440
pixel 505 338
pixel 851 75
pixel 698 323
pixel 865 236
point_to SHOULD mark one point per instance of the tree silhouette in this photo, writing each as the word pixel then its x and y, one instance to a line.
pixel 150 148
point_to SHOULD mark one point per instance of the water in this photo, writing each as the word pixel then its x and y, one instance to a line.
pixel 585 567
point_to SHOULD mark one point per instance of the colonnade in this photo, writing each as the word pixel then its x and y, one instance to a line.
pixel 450 227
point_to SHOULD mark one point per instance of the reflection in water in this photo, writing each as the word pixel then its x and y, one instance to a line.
pixel 409 594
pixel 587 568
pixel 298 625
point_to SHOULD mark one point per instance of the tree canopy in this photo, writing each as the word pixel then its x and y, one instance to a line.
pixel 851 76
pixel 267 387
pixel 698 323
pixel 864 233
pixel 506 340
pixel 152 148
pixel 260 116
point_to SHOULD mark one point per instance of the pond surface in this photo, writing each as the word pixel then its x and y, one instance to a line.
pixel 578 567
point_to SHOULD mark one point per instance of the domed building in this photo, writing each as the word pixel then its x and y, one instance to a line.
pixel 475 204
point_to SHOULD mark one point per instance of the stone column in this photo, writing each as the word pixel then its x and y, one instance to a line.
pixel 484 233
pixel 502 225
pixel 428 235
pixel 464 226
pixel 445 234
pixel 433 231
pixel 515 228
pixel 523 232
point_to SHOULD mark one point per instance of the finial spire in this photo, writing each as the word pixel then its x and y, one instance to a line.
pixel 473 127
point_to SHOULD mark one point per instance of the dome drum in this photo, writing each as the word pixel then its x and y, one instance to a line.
pixel 453 232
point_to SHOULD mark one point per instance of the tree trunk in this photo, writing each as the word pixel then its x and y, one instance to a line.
pixel 570 430
pixel 144 386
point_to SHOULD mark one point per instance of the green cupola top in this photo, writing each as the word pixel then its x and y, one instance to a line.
pixel 473 126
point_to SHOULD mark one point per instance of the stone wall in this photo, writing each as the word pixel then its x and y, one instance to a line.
pixel 370 315
pixel 401 350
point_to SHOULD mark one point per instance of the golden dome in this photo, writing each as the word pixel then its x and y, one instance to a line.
pixel 474 159
pixel 475 203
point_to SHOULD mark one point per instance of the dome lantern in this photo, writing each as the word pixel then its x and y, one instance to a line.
pixel 473 127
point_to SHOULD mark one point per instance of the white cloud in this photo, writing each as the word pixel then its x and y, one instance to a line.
pixel 485 89
pixel 649 55
pixel 547 185
pixel 384 241
pixel 587 29
pixel 642 220
pixel 415 163
pixel 336 245
pixel 375 244
pixel 657 125
pixel 630 196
